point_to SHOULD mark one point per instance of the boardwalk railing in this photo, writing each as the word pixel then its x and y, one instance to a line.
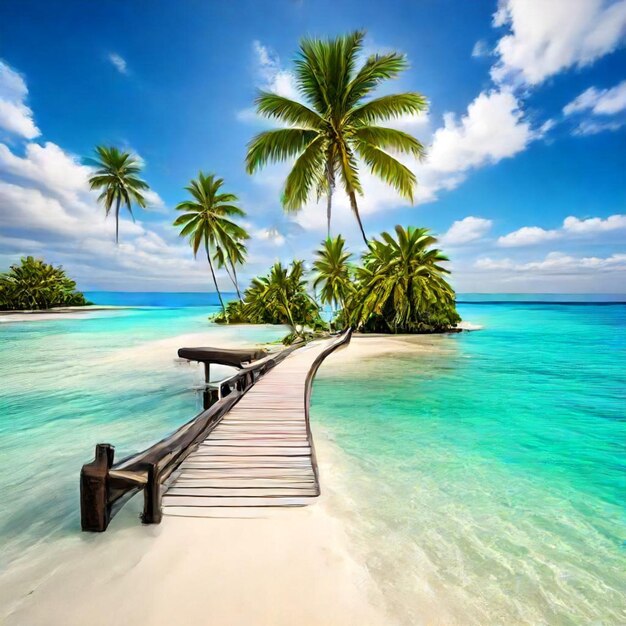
pixel 342 341
pixel 105 485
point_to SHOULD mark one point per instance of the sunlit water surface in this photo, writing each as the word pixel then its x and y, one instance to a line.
pixel 490 473
pixel 485 478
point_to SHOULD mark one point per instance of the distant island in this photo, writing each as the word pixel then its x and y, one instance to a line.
pixel 34 284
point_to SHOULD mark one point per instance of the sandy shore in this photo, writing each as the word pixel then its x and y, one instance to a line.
pixel 277 568
pixel 242 567
pixel 66 312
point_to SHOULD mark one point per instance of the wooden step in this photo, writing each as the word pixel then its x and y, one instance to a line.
pixel 244 492
pixel 191 502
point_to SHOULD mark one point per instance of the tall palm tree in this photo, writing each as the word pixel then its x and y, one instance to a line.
pixel 333 272
pixel 338 124
pixel 117 176
pixel 402 283
pixel 207 219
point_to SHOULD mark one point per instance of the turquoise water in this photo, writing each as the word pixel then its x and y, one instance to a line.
pixel 486 472
pixel 492 469
pixel 67 384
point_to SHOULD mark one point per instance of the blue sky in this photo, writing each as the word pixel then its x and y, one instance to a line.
pixel 526 133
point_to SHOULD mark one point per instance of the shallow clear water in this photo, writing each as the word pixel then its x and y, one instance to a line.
pixel 487 475
pixel 490 473
pixel 67 384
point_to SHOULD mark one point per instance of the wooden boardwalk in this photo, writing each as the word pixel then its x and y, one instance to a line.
pixel 261 453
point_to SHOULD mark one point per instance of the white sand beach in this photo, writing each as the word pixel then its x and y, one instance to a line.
pixel 59 313
pixel 291 566
pixel 241 567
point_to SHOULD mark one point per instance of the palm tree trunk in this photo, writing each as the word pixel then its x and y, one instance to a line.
pixel 236 281
pixel 219 295
pixel 329 199
pixel 117 220
pixel 232 278
pixel 355 210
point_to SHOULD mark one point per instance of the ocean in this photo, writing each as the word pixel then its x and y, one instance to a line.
pixel 487 475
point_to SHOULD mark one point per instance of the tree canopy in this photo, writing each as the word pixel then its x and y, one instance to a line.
pixel 34 284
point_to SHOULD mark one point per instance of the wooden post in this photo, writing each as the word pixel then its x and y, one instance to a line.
pixel 152 513
pixel 207 399
pixel 95 511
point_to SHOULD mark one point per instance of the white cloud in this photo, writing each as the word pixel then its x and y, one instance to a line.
pixel 527 236
pixel 154 202
pixel 546 38
pixel 15 116
pixel 593 225
pixel 468 230
pixel 572 227
pixel 271 76
pixel 555 263
pixel 591 127
pixel 599 101
pixel 480 49
pixel 493 128
pixel 598 104
pixel 118 62
pixel 48 210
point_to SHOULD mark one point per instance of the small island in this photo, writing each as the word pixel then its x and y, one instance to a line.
pixel 399 286
pixel 34 285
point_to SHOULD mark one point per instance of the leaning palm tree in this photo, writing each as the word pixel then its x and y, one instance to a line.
pixel 207 219
pixel 338 124
pixel 333 272
pixel 117 176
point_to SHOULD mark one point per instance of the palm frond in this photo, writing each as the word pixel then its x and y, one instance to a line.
pixel 288 111
pixel 388 169
pixel 388 107
pixel 277 145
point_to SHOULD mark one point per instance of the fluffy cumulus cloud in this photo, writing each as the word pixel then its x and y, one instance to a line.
pixel 48 210
pixel 545 38
pixel 468 230
pixel 572 227
pixel 493 128
pixel 16 117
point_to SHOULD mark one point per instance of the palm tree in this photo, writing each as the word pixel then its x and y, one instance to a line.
pixel 333 272
pixel 338 125
pixel 117 176
pixel 232 256
pixel 207 219
pixel 402 284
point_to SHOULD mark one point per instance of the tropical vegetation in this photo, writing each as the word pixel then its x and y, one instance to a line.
pixel 208 221
pixel 401 286
pixel 333 274
pixel 117 175
pixel 280 297
pixel 33 284
pixel 338 124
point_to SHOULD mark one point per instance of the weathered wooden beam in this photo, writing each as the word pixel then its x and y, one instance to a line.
pixel 95 509
pixel 152 513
